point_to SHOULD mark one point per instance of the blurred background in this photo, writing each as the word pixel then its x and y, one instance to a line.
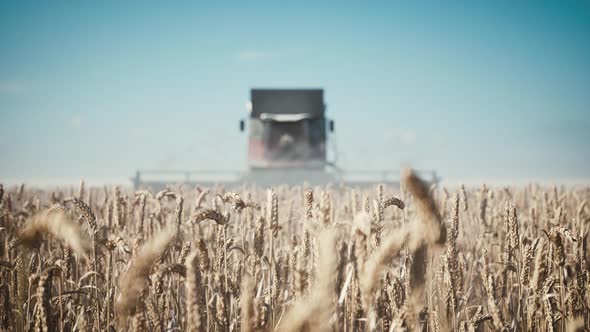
pixel 478 91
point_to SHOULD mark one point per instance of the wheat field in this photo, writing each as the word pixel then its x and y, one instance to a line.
pixel 331 258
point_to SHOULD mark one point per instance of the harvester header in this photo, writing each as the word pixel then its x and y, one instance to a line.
pixel 288 136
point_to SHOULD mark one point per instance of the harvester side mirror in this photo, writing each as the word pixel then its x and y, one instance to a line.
pixel 331 126
pixel 242 125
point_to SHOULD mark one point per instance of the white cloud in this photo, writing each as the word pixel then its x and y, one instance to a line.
pixel 401 136
pixel 11 87
pixel 253 55
pixel 76 121
pixel 250 55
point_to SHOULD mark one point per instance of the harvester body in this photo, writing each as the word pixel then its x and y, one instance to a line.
pixel 287 136
pixel 287 129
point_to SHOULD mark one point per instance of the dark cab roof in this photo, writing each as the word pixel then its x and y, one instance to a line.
pixel 287 101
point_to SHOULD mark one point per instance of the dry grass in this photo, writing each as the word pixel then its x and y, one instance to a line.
pixel 295 259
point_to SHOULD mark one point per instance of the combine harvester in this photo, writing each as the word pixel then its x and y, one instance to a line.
pixel 287 144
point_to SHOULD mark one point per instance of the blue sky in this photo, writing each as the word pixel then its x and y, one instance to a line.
pixel 492 91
